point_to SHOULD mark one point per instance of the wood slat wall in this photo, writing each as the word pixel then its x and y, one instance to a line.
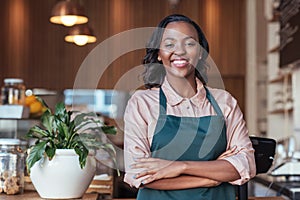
pixel 34 49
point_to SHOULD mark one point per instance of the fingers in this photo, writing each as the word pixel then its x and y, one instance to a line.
pixel 152 168
pixel 216 183
pixel 146 159
pixel 137 165
pixel 148 180
pixel 153 163
pixel 144 164
pixel 148 176
pixel 143 173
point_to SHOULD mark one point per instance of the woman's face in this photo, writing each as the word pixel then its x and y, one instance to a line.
pixel 180 50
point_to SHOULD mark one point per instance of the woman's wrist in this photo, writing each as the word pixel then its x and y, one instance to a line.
pixel 183 166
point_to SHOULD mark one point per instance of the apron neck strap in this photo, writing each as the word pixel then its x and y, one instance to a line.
pixel 211 99
pixel 213 102
pixel 162 102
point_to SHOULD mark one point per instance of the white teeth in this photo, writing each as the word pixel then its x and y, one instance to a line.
pixel 179 62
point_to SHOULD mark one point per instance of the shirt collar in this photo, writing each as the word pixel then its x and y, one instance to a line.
pixel 174 99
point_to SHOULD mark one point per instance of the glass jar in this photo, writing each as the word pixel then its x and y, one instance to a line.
pixel 12 166
pixel 13 91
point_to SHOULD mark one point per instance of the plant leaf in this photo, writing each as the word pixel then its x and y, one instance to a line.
pixel 109 130
pixel 109 148
pixel 88 122
pixel 63 137
pixel 50 151
pixel 82 117
pixel 43 102
pixel 60 108
pixel 37 132
pixel 61 113
pixel 81 126
pixel 82 152
pixel 63 130
pixel 47 121
pixel 35 154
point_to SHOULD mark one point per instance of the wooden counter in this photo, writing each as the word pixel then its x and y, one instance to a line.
pixel 31 195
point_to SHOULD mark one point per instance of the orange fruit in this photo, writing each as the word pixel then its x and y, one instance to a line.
pixel 36 107
pixel 29 99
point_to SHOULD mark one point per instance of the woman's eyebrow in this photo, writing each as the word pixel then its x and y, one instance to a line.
pixel 186 38
pixel 169 38
pixel 190 37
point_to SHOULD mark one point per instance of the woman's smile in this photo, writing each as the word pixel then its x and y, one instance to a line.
pixel 181 62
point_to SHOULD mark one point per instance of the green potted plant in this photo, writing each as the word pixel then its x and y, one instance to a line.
pixel 62 163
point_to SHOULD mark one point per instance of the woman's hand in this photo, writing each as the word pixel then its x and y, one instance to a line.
pixel 157 169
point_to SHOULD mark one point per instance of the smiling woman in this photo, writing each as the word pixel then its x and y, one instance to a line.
pixel 181 135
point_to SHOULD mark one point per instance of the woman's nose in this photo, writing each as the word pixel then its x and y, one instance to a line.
pixel 180 49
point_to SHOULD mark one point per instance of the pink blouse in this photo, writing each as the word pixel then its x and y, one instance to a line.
pixel 141 117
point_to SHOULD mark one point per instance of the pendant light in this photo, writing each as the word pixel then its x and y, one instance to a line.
pixel 68 13
pixel 80 35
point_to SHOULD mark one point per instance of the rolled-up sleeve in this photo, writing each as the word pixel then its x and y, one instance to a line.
pixel 136 144
pixel 238 135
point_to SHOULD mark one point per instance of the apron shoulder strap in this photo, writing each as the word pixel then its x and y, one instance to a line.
pixel 162 102
pixel 213 102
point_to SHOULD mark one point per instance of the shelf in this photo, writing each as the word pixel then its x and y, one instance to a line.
pixel 274 49
pixel 281 111
pixel 280 78
pixel 20 119
pixel 14 111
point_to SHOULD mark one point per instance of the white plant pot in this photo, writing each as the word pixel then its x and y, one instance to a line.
pixel 62 177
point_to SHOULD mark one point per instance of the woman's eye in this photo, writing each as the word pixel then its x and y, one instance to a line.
pixel 169 45
pixel 190 44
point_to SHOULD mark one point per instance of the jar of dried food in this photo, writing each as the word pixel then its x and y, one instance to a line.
pixel 13 91
pixel 12 166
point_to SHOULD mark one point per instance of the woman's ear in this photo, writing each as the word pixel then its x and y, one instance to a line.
pixel 201 52
pixel 158 58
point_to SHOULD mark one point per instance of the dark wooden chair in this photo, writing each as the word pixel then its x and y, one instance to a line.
pixel 264 155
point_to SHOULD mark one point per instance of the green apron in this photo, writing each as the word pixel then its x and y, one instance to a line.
pixel 189 139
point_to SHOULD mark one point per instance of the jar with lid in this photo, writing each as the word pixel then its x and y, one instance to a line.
pixel 12 166
pixel 13 91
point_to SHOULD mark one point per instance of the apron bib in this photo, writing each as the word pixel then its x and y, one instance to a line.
pixel 189 139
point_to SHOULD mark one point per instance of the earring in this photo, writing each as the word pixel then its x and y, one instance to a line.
pixel 159 58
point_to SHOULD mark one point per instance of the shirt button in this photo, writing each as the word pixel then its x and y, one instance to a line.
pixel 187 107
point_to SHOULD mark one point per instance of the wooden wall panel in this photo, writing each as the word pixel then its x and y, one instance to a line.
pixel 224 24
pixel 34 49
pixel 235 85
